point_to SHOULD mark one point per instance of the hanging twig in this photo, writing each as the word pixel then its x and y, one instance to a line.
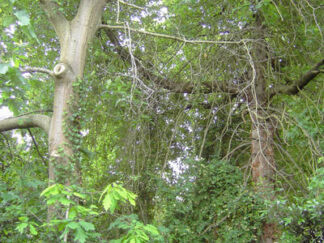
pixel 35 143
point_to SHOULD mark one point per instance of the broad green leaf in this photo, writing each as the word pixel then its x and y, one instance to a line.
pixel 107 189
pixel 32 33
pixel 73 212
pixel 8 20
pixel 107 202
pixel 32 230
pixel 23 17
pixel 4 68
pixel 113 206
pixel 52 190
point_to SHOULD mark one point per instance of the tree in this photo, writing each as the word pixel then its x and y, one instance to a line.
pixel 254 71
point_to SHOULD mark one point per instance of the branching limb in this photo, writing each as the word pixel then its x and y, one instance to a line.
pixel 55 16
pixel 37 70
pixel 131 5
pixel 171 37
pixel 299 84
pixel 146 71
pixel 26 121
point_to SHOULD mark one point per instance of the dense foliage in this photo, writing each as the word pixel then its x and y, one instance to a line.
pixel 162 142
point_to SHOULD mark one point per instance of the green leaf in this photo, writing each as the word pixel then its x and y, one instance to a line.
pixel 52 190
pixel 72 225
pixel 79 195
pixel 107 189
pixel 152 229
pixel 65 201
pixel 87 226
pixel 21 227
pixel 8 20
pixel 32 230
pixel 4 68
pixel 32 33
pixel 73 212
pixel 23 17
pixel 107 202
pixel 80 235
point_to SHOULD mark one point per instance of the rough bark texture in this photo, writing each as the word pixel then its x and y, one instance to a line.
pixel 262 155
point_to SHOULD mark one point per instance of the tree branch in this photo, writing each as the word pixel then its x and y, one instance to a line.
pixel 131 5
pixel 300 83
pixel 55 16
pixel 26 121
pixel 171 37
pixel 145 71
pixel 37 70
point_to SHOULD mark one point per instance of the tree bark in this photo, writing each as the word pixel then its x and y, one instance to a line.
pixel 262 155
pixel 26 121
pixel 74 37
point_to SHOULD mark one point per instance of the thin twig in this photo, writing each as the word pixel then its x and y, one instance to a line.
pixel 172 37
pixel 131 5
pixel 36 146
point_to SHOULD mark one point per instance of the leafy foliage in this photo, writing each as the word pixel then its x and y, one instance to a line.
pixel 136 231
pixel 114 193
pixel 130 128
pixel 302 220
pixel 210 202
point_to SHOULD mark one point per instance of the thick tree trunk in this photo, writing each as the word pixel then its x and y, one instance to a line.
pixel 262 154
pixel 74 37
pixel 263 165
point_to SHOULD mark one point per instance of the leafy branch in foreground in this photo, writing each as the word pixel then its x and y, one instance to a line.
pixel 114 193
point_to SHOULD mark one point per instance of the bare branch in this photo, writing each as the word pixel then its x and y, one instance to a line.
pixel 131 5
pixel 55 16
pixel 171 37
pixel 299 84
pixel 146 71
pixel 26 121
pixel 37 70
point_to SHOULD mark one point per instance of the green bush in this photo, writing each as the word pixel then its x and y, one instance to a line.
pixel 303 219
pixel 210 204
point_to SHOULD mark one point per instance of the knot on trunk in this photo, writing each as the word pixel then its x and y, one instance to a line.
pixel 61 70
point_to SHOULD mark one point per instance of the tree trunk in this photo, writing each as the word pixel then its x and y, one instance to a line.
pixel 262 154
pixel 74 37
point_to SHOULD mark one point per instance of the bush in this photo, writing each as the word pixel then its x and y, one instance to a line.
pixel 209 204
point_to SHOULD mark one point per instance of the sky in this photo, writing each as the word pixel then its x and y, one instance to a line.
pixel 5 113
